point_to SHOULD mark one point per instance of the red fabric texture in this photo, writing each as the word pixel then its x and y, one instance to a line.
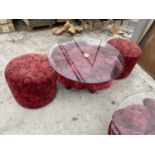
pixel 134 120
pixel 130 51
pixel 32 80
pixel 78 85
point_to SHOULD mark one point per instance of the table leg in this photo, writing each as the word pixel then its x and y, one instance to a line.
pixel 68 87
pixel 92 91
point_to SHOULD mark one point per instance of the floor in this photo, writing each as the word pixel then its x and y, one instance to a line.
pixel 72 111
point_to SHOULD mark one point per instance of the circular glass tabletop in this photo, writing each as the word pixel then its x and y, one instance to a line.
pixel 86 60
pixel 135 115
pixel 137 98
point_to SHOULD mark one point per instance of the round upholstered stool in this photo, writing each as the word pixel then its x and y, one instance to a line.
pixel 130 51
pixel 32 80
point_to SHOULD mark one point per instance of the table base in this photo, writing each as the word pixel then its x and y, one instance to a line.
pixel 77 85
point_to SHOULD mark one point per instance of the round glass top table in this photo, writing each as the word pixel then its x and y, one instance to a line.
pixel 135 115
pixel 85 62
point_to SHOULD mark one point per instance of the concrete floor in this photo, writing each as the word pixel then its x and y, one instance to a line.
pixel 72 111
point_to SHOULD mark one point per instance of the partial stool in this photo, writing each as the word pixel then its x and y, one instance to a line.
pixel 130 51
pixel 135 115
pixel 32 80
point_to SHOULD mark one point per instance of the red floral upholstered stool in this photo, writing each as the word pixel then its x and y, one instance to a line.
pixel 32 80
pixel 130 51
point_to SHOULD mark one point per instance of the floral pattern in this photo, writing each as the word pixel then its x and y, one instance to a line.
pixel 32 80
pixel 78 85
pixel 130 51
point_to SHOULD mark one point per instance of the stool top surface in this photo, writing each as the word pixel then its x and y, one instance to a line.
pixel 86 60
pixel 127 47
pixel 29 67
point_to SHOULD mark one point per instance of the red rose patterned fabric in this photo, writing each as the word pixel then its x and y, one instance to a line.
pixel 77 85
pixel 31 80
pixel 130 51
pixel 134 119
pixel 86 63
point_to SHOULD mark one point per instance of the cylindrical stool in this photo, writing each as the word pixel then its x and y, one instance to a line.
pixel 135 116
pixel 32 80
pixel 130 51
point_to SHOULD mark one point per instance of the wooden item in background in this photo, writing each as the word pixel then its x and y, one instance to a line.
pixel 34 23
pixel 61 20
pixel 69 27
pixel 7 28
pixel 5 21
pixel 147 60
pixel 115 27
